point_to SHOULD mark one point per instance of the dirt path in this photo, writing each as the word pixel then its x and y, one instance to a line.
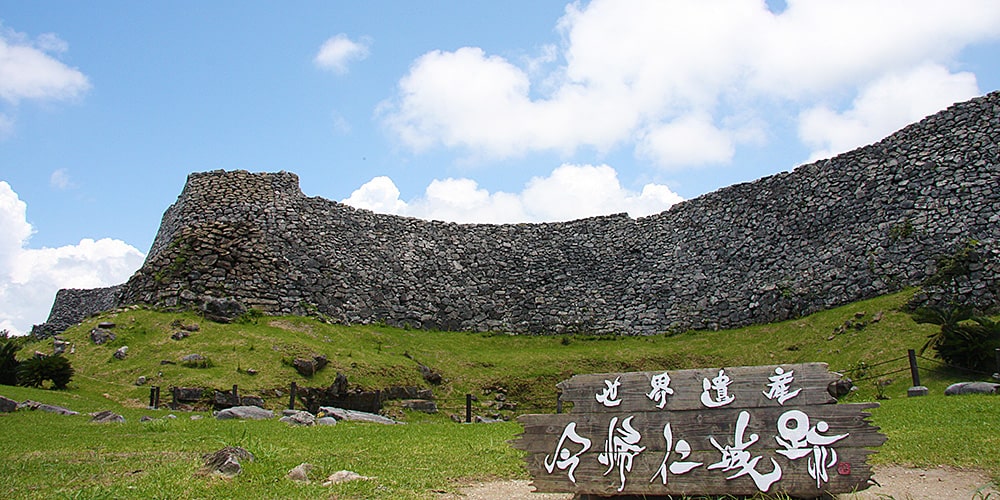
pixel 899 483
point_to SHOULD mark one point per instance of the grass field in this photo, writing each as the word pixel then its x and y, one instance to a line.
pixel 44 455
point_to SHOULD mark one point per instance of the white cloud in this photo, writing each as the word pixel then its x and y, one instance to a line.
pixel 60 179
pixel 339 51
pixel 569 192
pixel 883 107
pixel 30 278
pixel 669 77
pixel 28 69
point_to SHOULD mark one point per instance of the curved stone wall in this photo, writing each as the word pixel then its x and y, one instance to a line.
pixel 861 224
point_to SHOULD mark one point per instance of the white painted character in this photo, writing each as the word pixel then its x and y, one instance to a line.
pixel 621 448
pixel 737 457
pixel 778 388
pixel 720 386
pixel 660 385
pixel 677 467
pixel 800 440
pixel 609 395
pixel 563 458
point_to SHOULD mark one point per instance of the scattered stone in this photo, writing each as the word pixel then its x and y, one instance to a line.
pixel 107 417
pixel 179 335
pixel 59 347
pixel 141 380
pixel 299 418
pixel 167 362
pixel 431 376
pixel 484 420
pixel 972 388
pixel 100 336
pixel 244 413
pixel 251 371
pixel 355 416
pixel 222 310
pixel 192 358
pixel 878 317
pixel 107 325
pixel 307 367
pixel 169 416
pixel 344 476
pixel 226 461
pixel 300 472
pixel 7 405
pixel 841 387
pixel 326 421
pixel 197 417
pixel 121 352
pixel 35 405
pixel 146 418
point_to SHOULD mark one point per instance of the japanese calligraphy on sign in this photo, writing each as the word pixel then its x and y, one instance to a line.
pixel 715 431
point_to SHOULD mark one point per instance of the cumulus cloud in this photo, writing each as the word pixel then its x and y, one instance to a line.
pixel 30 278
pixel 668 77
pixel 568 192
pixel 883 107
pixel 29 70
pixel 338 51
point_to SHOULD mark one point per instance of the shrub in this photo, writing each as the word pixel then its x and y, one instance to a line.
pixel 964 340
pixel 8 363
pixel 36 370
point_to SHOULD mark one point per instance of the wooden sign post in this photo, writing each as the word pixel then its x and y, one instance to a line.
pixel 719 431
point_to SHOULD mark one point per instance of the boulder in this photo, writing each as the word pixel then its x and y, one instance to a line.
pixel 422 405
pixel 101 336
pixel 7 405
pixel 59 346
pixel 107 325
pixel 226 461
pixel 244 413
pixel 35 405
pixel 431 376
pixel 344 476
pixel 121 352
pixel 299 418
pixel 326 421
pixel 222 310
pixel 179 335
pixel 972 388
pixel 307 367
pixel 107 417
pixel 141 380
pixel 355 416
pixel 300 472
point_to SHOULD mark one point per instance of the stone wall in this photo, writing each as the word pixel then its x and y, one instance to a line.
pixel 73 304
pixel 862 224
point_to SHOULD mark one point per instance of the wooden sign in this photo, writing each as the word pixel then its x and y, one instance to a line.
pixel 719 431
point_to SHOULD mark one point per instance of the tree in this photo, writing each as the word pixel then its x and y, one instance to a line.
pixel 8 363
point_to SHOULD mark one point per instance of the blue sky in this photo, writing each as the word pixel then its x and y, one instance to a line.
pixel 513 111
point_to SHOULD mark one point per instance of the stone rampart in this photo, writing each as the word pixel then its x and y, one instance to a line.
pixel 862 224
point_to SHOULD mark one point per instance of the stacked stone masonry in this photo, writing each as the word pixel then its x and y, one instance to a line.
pixel 862 224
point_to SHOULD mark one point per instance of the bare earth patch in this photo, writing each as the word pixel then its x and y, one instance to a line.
pixel 897 482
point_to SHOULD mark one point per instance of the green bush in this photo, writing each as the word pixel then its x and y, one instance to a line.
pixel 36 370
pixel 8 363
pixel 964 340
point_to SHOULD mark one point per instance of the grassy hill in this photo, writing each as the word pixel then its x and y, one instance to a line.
pixel 42 454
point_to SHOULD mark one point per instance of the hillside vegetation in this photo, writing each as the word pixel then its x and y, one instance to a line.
pixel 45 455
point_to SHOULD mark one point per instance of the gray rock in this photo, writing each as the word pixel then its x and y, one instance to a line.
pixel 355 416
pixel 107 325
pixel 244 413
pixel 179 335
pixel 141 380
pixel 35 405
pixel 226 461
pixel 146 418
pixel 344 476
pixel 7 405
pixel 101 336
pixel 422 405
pixel 222 310
pixel 300 418
pixel 300 472
pixel 192 358
pixel 107 417
pixel 121 352
pixel 309 367
pixel 59 346
pixel 326 421
pixel 972 388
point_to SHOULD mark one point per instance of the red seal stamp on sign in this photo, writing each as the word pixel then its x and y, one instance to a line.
pixel 844 468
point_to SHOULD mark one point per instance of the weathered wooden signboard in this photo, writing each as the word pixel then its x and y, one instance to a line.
pixel 719 431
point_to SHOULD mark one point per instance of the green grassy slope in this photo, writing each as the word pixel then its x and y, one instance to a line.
pixel 51 456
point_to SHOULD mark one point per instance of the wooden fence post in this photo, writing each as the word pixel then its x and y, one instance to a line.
pixel 236 394
pixel 916 389
pixel 173 404
pixel 152 395
pixel 156 400
pixel 468 408
pixel 291 396
pixel 996 352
